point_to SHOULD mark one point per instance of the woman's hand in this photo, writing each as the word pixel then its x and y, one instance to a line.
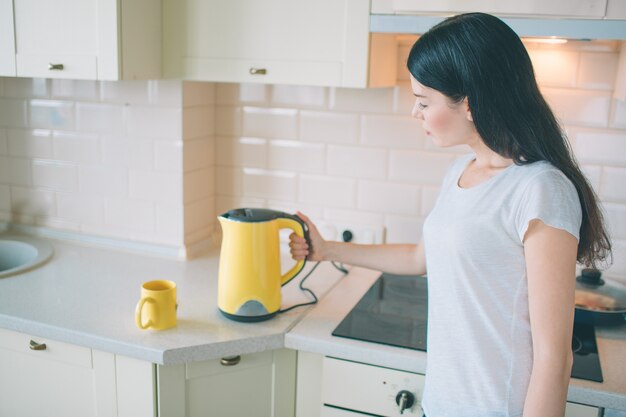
pixel 300 248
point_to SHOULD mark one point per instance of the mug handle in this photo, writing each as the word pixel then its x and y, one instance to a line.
pixel 296 224
pixel 138 313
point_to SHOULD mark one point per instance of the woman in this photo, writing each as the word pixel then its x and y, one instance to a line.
pixel 501 243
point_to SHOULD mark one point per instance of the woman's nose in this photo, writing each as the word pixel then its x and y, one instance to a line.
pixel 417 113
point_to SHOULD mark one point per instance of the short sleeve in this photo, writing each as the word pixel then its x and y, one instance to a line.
pixel 552 198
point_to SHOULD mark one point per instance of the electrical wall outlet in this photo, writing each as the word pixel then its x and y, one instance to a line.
pixel 352 232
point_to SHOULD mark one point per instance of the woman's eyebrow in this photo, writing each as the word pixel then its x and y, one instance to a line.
pixel 419 95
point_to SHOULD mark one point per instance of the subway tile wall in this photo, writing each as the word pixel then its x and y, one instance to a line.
pixel 155 161
pixel 353 155
pixel 128 160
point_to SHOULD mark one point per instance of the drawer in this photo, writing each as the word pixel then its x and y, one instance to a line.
pixel 74 67
pixel 369 389
pixel 54 350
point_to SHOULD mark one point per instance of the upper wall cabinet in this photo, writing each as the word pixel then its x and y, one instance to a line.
pixel 83 39
pixel 323 42
pixel 561 8
pixel 7 39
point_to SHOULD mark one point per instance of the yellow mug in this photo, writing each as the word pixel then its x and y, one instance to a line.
pixel 157 307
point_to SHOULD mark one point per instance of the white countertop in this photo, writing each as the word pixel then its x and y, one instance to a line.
pixel 87 295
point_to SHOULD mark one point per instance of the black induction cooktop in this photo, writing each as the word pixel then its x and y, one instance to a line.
pixel 394 312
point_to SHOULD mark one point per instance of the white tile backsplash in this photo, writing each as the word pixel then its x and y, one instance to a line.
pixel 157 160
pixel 280 185
pixel 391 131
pixel 300 96
pixel 155 187
pixel 327 191
pixel 55 175
pixel 100 118
pixel 618 116
pixel 602 147
pixel 388 197
pixel 270 122
pixel 555 69
pixel 52 114
pixel 579 107
pixel 5 198
pixel 329 127
pixel 613 188
pixel 76 147
pixel 33 202
pixel 597 71
pixel 4 147
pixel 16 171
pixel 13 113
pixel 154 122
pixel 294 155
pixel 30 143
pixel 80 208
pixel 74 89
pixel 357 162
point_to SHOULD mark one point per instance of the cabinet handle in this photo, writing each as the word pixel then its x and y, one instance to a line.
pixel 230 360
pixel 258 71
pixel 37 346
pixel 55 67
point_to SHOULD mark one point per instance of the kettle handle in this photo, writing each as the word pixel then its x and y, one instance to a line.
pixel 295 223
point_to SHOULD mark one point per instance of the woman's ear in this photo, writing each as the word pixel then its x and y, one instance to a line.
pixel 468 112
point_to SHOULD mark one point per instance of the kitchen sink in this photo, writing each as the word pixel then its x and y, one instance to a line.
pixel 22 253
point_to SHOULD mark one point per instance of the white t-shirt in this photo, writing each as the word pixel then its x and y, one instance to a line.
pixel 479 339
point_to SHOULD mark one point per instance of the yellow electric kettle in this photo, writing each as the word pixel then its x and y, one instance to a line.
pixel 250 280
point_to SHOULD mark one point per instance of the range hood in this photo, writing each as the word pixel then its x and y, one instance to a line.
pixel 580 29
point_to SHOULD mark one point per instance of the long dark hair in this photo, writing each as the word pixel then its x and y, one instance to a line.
pixel 478 57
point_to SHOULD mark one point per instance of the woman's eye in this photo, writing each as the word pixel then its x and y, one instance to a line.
pixel 421 106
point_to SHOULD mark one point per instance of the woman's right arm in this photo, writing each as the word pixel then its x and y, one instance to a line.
pixel 402 259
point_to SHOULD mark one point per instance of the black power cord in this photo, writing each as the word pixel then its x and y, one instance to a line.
pixel 346 236
pixel 340 267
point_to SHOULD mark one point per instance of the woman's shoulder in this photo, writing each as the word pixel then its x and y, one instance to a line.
pixel 542 175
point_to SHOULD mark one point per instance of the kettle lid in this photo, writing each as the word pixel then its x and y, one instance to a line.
pixel 253 215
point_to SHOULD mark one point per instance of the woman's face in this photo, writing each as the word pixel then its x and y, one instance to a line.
pixel 448 123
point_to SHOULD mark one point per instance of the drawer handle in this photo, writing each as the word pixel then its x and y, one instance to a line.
pixel 37 346
pixel 230 360
pixel 258 71
pixel 55 67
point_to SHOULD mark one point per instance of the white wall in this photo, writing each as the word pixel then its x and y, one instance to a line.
pixel 155 161
pixel 128 160
pixel 352 155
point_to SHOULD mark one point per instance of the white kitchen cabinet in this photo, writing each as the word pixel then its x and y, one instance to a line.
pixel 7 39
pixel 325 42
pixel 86 39
pixel 39 376
pixel 260 385
pixel 555 8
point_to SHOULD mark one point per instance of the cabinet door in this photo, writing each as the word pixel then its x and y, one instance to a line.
pixel 56 38
pixel 260 385
pixel 578 8
pixel 7 39
pixel 270 41
pixel 87 39
pixel 45 377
